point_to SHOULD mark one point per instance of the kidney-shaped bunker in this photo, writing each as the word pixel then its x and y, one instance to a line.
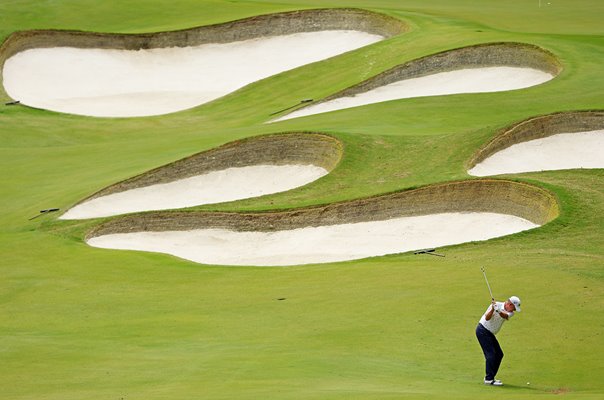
pixel 490 67
pixel 432 216
pixel 242 169
pixel 563 140
pixel 119 75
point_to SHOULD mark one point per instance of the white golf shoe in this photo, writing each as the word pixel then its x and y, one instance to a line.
pixel 494 382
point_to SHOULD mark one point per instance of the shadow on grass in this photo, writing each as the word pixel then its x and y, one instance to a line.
pixel 524 388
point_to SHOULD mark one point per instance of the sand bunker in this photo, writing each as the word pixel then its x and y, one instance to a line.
pixel 238 170
pixel 551 142
pixel 428 217
pixel 214 187
pixel 561 151
pixel 475 80
pixel 122 83
pixel 106 75
pixel 475 69
pixel 319 244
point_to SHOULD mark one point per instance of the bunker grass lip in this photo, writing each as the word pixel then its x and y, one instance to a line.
pixel 458 200
pixel 554 134
pixel 276 162
pixel 486 67
pixel 476 195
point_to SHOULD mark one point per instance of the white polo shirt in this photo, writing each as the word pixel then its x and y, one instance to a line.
pixel 494 324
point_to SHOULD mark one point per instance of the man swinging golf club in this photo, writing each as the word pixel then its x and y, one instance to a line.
pixel 490 323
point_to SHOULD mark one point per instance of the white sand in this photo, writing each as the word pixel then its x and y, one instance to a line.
pixel 561 151
pixel 213 187
pixel 122 83
pixel 319 244
pixel 472 80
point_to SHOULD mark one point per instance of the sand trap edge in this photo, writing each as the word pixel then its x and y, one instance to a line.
pixel 479 195
pixel 248 28
pixel 497 54
pixel 537 128
pixel 288 148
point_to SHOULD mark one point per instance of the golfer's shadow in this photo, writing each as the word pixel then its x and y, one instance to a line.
pixel 520 387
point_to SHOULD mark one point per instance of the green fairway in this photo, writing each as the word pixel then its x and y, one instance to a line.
pixel 78 322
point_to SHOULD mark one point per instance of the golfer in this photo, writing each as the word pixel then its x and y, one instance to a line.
pixel 490 323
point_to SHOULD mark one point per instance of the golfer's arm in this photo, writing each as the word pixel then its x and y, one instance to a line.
pixel 504 315
pixel 489 314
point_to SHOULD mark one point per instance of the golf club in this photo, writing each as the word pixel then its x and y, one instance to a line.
pixel 295 105
pixel 487 281
pixel 428 251
pixel 42 212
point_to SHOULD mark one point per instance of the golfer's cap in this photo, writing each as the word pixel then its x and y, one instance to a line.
pixel 516 302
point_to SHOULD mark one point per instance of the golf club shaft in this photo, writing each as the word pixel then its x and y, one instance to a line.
pixel 487 281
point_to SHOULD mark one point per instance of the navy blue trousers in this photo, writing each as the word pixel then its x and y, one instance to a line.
pixel 491 349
